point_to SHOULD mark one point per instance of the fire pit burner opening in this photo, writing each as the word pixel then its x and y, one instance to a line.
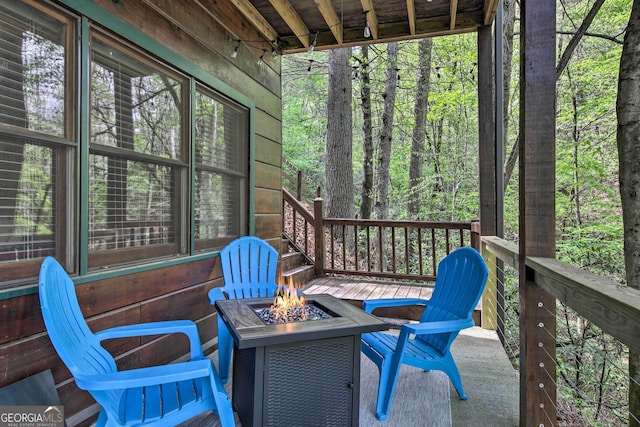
pixel 300 313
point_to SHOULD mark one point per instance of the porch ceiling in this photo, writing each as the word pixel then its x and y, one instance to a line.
pixel 293 25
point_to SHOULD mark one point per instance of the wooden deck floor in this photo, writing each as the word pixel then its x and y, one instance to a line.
pixel 357 290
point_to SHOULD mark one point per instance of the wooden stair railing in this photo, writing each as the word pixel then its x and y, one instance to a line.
pixel 402 250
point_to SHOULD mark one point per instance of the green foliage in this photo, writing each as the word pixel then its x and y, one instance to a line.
pixel 588 210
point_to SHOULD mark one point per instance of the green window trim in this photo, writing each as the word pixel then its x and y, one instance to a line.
pixel 86 13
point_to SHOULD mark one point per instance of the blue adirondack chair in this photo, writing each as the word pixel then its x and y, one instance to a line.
pixel 460 281
pixel 155 396
pixel 249 271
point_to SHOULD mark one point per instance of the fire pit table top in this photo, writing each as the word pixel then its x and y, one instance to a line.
pixel 249 330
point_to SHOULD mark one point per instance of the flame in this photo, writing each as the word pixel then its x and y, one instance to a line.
pixel 287 300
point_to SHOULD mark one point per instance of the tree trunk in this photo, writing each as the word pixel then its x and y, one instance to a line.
pixel 420 128
pixel 386 133
pixel 509 20
pixel 339 163
pixel 435 145
pixel 367 143
pixel 576 143
pixel 628 138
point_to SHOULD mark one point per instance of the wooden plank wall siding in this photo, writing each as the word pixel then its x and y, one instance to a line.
pixel 179 291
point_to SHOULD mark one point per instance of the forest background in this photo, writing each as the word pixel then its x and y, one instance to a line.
pixel 428 90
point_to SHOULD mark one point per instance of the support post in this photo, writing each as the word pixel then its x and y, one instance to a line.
pixel 318 228
pixel 537 210
pixel 498 36
pixel 488 165
pixel 475 234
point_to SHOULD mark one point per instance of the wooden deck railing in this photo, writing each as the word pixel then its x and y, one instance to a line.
pixel 405 250
pixel 401 250
pixel 612 307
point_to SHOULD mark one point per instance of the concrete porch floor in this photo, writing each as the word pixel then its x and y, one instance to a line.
pixel 489 379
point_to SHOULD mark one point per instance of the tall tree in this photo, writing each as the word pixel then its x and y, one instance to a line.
pixel 339 163
pixel 628 137
pixel 508 24
pixel 367 136
pixel 420 127
pixel 386 133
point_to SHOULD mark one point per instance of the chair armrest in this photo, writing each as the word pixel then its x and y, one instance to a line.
pixel 146 376
pixel 216 294
pixel 186 327
pixel 438 327
pixel 372 304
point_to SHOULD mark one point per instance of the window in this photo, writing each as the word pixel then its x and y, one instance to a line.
pixel 137 163
pixel 164 168
pixel 220 177
pixel 36 136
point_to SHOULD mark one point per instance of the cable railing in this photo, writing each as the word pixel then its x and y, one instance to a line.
pixel 592 321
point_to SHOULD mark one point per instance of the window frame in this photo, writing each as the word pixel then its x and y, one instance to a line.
pixel 179 166
pixel 71 215
pixel 205 244
pixel 64 149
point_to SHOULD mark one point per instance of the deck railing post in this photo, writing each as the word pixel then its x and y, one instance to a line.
pixel 489 317
pixel 537 213
pixel 318 227
pixel 475 234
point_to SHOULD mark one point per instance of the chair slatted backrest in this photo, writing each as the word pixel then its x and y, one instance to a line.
pixel 249 268
pixel 460 281
pixel 76 345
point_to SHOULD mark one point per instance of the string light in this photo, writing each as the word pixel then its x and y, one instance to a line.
pixel 367 29
pixel 312 46
pixel 261 59
pixel 234 54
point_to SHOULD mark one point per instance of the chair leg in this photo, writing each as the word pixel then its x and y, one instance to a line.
pixel 222 401
pixel 225 347
pixel 389 371
pixel 225 410
pixel 383 369
pixel 451 370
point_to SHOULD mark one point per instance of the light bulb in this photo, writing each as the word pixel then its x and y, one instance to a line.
pixel 234 54
pixel 367 30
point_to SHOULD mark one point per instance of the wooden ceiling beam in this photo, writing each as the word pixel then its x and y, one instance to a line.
pixel 453 13
pixel 293 20
pixel 256 19
pixel 490 7
pixel 411 16
pixel 425 27
pixel 331 18
pixel 370 15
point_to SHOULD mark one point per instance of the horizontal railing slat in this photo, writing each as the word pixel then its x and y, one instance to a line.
pixel 613 307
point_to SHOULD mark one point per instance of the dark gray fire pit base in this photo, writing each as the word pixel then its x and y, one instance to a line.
pixel 298 374
pixel 302 384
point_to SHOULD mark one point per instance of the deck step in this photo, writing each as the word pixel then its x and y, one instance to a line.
pixel 284 247
pixel 299 276
pixel 291 260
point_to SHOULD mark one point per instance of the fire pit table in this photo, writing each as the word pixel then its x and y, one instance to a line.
pixel 301 372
